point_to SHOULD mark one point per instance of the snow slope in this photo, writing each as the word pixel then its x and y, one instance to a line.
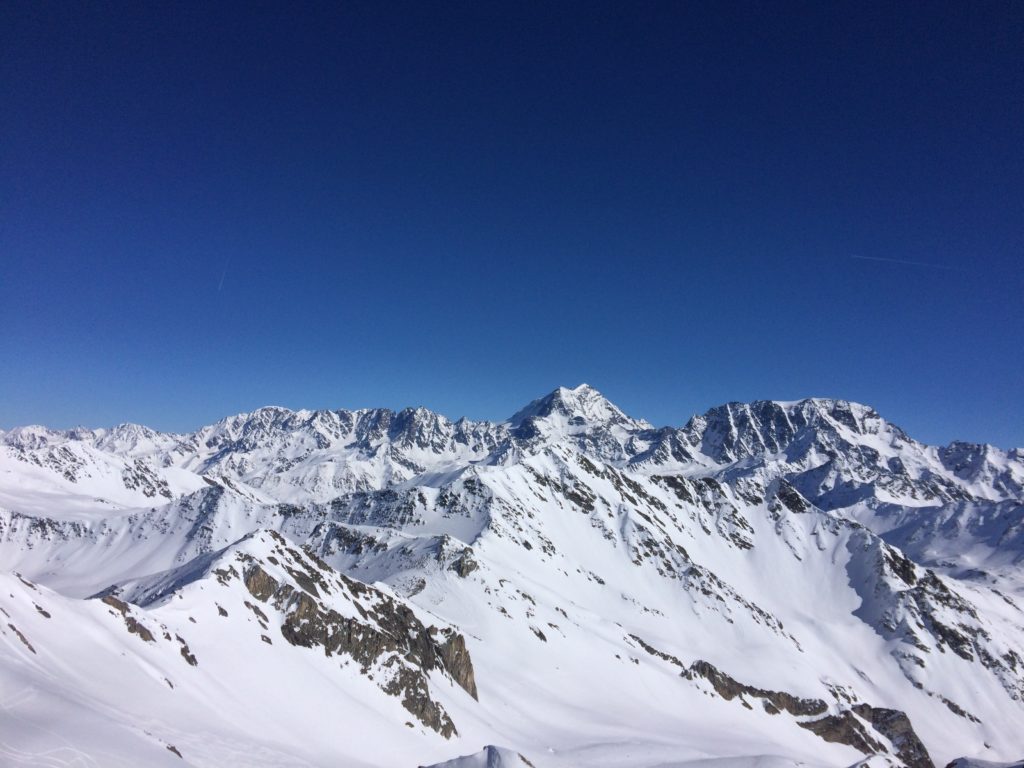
pixel 771 584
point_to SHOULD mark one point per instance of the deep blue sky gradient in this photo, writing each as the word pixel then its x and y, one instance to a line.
pixel 205 208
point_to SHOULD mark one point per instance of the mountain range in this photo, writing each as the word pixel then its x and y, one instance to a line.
pixel 771 584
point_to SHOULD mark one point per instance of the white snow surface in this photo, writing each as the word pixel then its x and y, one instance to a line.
pixel 488 757
pixel 587 560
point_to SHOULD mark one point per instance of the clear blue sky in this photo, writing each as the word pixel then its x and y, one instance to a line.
pixel 207 208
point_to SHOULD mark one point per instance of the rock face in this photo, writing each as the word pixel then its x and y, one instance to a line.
pixel 391 632
pixel 316 607
pixel 773 701
pixel 896 727
pixel 844 728
pixel 852 725
pixel 456 662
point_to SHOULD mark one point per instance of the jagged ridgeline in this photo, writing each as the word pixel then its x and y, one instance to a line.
pixel 774 583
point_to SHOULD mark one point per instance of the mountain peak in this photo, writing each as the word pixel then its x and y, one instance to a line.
pixel 580 406
pixel 738 430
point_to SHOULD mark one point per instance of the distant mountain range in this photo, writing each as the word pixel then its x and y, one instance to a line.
pixel 772 584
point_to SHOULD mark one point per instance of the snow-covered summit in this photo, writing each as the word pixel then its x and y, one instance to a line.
pixel 576 409
pixel 583 417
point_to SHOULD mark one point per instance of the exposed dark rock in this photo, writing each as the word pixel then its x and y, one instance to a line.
pixel 456 660
pixel 21 637
pixel 411 686
pixel 464 564
pixel 259 583
pixel 791 499
pixel 386 635
pixel 901 565
pixel 28 584
pixel 186 652
pixel 844 728
pixel 133 624
pixel 729 688
pixel 139 476
pixel 956 709
pixel 678 486
pixel 895 726
pixel 660 654
pixel 225 575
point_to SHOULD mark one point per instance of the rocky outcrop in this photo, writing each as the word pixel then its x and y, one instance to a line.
pixel 384 637
pixel 134 625
pixel 861 726
pixel 456 660
pixel 772 701
pixel 896 727
pixel 844 728
pixel 926 612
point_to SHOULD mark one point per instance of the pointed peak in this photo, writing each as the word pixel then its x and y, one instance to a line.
pixel 580 390
pixel 580 406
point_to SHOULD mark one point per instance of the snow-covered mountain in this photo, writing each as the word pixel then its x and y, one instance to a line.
pixel 774 583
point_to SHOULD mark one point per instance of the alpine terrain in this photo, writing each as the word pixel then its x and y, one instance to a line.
pixel 772 584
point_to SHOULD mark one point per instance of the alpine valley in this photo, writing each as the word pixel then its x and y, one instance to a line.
pixel 773 584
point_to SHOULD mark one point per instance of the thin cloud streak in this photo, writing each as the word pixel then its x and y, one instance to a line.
pixel 223 274
pixel 907 262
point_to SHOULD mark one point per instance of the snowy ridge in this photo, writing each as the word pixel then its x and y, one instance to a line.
pixel 793 581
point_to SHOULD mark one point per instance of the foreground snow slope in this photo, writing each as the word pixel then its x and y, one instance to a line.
pixel 773 582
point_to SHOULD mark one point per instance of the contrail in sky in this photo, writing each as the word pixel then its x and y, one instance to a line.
pixel 223 275
pixel 904 261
